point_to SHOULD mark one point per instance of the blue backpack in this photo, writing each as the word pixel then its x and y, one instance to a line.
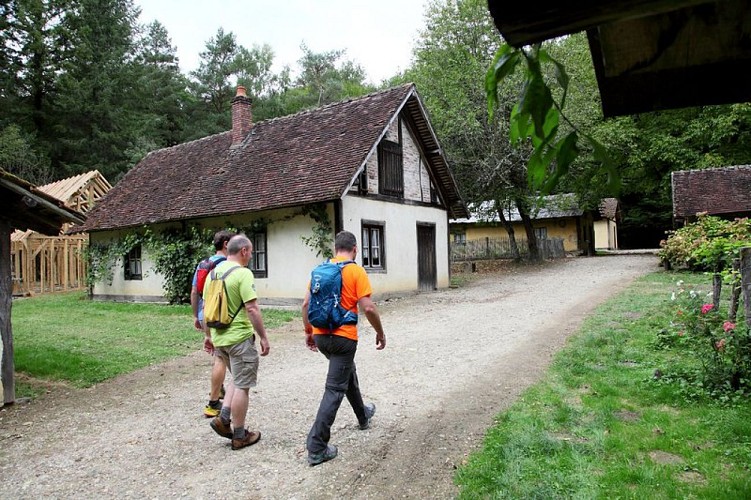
pixel 325 310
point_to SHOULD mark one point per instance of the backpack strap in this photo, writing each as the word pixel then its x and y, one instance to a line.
pixel 224 276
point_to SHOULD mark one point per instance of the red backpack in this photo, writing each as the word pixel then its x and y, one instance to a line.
pixel 203 270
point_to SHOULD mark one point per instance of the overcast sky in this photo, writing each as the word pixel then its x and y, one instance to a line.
pixel 377 34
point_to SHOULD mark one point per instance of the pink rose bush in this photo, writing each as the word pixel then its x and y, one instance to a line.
pixel 723 346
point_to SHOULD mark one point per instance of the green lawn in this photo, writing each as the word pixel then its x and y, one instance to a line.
pixel 613 418
pixel 68 338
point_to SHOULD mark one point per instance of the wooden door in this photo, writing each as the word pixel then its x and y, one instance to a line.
pixel 426 260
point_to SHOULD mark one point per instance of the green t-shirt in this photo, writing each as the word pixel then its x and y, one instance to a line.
pixel 241 288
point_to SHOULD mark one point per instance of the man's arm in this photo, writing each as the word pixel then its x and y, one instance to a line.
pixel 367 305
pixel 306 324
pixel 254 315
pixel 195 298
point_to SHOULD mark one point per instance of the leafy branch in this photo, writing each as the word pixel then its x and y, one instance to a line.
pixel 321 239
pixel 537 115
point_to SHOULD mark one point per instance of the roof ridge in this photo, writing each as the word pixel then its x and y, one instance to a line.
pixel 334 104
pixel 185 144
pixel 711 169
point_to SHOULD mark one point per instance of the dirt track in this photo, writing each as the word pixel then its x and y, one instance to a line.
pixel 454 359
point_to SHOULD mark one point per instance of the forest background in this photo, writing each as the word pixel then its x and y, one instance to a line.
pixel 85 85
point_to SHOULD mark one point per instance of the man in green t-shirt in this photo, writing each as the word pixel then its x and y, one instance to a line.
pixel 236 343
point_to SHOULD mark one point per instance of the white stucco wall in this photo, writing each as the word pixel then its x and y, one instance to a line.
pixel 400 235
pixel 606 235
pixel 149 288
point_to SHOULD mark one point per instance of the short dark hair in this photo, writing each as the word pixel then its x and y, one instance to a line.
pixel 345 241
pixel 221 238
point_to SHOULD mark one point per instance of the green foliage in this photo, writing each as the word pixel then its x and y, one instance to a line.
pixel 63 337
pixel 176 253
pixel 709 244
pixel 322 238
pixel 537 116
pixel 603 416
pixel 19 158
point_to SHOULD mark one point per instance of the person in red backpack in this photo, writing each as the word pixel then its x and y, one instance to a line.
pixel 218 369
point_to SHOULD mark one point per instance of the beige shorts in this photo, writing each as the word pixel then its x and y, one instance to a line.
pixel 242 362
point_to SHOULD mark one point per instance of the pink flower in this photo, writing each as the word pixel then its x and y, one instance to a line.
pixel 706 308
pixel 727 326
pixel 720 345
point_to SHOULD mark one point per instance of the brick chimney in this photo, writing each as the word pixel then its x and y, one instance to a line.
pixel 242 117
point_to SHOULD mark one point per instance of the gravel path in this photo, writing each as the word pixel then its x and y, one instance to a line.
pixel 454 359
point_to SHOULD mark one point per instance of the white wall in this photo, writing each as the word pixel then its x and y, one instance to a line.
pixel 400 235
pixel 149 288
pixel 606 235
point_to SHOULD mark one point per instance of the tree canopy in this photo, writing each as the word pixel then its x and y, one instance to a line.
pixel 84 85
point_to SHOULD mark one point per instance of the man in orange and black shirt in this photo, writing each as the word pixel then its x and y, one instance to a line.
pixel 339 347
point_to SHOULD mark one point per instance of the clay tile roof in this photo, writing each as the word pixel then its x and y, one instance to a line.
pixel 716 191
pixel 304 158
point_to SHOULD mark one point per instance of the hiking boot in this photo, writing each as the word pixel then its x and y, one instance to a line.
pixel 251 437
pixel 369 412
pixel 318 458
pixel 212 409
pixel 221 428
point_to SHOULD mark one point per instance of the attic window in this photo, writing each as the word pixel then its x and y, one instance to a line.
pixel 132 264
pixel 390 169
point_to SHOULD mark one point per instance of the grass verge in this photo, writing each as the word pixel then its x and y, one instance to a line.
pixel 66 338
pixel 610 421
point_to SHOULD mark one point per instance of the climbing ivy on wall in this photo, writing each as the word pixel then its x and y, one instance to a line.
pixel 176 251
pixel 322 238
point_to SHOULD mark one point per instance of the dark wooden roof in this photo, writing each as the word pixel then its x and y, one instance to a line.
pixel 295 160
pixel 717 191
pixel 25 206
pixel 648 54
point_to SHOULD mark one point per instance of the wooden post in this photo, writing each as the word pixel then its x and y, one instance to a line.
pixel 735 291
pixel 7 364
pixel 716 290
pixel 746 282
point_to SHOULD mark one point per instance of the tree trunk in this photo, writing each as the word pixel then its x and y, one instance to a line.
pixel 735 292
pixel 510 230
pixel 7 365
pixel 534 253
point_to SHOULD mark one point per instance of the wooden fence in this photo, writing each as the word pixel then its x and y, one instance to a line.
pixel 500 248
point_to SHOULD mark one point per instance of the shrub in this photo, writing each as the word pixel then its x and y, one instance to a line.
pixel 709 244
